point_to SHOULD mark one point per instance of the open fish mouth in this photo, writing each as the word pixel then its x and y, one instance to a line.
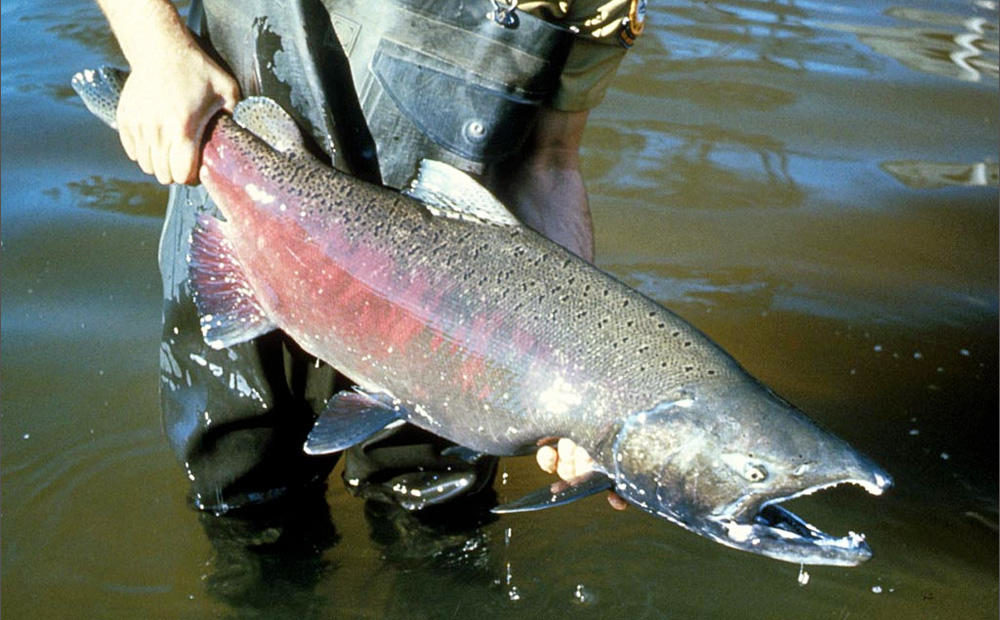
pixel 776 532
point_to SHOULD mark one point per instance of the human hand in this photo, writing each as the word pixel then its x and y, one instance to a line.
pixel 165 106
pixel 570 461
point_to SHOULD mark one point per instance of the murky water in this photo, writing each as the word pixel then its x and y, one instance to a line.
pixel 812 184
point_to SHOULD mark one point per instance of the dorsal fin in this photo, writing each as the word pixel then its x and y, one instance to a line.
pixel 446 191
pixel 267 120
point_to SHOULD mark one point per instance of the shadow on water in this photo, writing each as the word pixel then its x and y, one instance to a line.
pixel 268 563
pixel 119 195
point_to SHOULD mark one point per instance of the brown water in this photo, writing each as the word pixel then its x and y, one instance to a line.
pixel 812 184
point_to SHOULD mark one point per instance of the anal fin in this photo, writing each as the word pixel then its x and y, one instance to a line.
pixel 229 311
pixel 349 419
pixel 558 493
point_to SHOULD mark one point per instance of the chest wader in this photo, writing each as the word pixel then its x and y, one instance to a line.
pixel 378 86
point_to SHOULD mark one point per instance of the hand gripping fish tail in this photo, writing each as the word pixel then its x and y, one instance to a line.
pixel 450 315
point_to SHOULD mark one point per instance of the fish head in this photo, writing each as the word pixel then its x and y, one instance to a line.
pixel 719 462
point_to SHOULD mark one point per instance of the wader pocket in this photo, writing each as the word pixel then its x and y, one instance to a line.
pixel 480 122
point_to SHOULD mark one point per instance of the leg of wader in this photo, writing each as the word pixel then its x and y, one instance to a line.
pixel 416 469
pixel 237 418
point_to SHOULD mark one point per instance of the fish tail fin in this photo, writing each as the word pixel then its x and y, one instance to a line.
pixel 100 91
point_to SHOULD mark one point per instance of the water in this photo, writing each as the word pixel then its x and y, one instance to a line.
pixel 812 184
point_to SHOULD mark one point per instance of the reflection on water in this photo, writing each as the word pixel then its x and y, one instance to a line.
pixel 267 563
pixel 944 44
pixel 697 166
pixel 742 34
pixel 79 23
pixel 812 184
pixel 97 192
pixel 933 175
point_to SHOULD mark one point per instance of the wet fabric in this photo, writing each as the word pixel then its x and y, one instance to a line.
pixel 605 30
pixel 237 418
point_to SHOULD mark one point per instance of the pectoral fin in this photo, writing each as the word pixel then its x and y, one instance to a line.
pixel 349 419
pixel 558 493
pixel 229 312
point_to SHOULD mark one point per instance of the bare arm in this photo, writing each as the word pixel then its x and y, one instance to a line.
pixel 544 186
pixel 173 91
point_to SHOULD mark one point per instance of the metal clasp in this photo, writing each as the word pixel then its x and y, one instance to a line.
pixel 504 14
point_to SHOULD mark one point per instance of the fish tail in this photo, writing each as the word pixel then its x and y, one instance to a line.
pixel 100 91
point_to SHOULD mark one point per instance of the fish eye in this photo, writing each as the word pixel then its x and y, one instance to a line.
pixel 754 473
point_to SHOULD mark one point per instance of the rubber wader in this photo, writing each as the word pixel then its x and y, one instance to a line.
pixel 378 86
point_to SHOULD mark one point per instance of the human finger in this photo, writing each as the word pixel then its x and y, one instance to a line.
pixel 183 161
pixel 566 467
pixel 127 140
pixel 144 155
pixel 616 501
pixel 547 457
pixel 582 462
pixel 160 155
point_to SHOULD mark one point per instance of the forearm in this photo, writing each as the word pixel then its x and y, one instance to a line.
pixel 174 89
pixel 543 185
pixel 147 30
pixel 553 201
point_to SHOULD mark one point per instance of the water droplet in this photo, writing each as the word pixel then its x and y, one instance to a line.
pixel 878 348
pixel 945 456
pixel 914 431
pixel 803 575
pixel 583 596
pixel 964 352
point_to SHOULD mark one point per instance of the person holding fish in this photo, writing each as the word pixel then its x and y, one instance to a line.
pixel 491 87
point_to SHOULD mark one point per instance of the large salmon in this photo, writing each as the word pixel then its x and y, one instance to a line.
pixel 450 315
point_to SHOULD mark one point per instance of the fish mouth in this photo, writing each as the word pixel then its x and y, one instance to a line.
pixel 776 532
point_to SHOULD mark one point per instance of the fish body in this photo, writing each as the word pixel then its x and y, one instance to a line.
pixel 450 315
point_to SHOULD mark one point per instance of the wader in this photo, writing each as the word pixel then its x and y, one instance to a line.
pixel 377 86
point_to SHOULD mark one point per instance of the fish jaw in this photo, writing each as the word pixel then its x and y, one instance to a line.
pixel 720 460
pixel 775 532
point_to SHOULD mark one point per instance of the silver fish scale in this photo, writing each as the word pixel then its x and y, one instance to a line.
pixel 594 346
